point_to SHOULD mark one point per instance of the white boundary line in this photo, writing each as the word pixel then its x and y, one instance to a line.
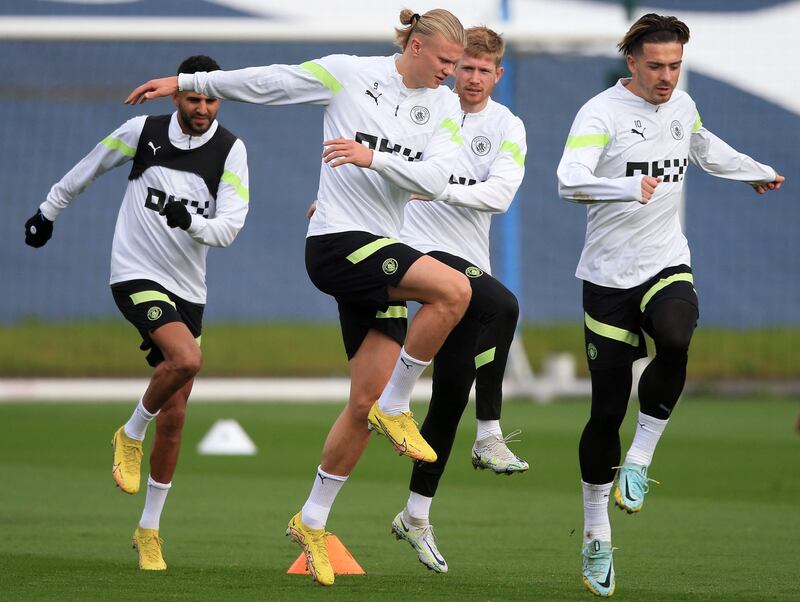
pixel 300 390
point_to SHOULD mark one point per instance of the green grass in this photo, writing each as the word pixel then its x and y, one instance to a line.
pixel 110 348
pixel 723 525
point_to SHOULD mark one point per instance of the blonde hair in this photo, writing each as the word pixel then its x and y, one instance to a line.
pixel 483 42
pixel 434 21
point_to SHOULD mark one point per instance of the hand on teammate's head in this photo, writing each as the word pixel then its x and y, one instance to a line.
pixel 38 230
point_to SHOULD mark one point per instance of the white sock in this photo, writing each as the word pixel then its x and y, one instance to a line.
pixel 397 394
pixel 154 503
pixel 648 432
pixel 320 500
pixel 595 512
pixel 487 428
pixel 418 507
pixel 136 427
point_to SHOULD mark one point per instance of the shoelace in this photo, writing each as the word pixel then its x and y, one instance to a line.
pixel 131 453
pixel 320 549
pixel 151 548
pixel 410 416
pixel 638 484
pixel 499 447
pixel 598 562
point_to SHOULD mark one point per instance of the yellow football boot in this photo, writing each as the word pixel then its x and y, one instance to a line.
pixel 127 461
pixel 314 547
pixel 148 545
pixel 402 432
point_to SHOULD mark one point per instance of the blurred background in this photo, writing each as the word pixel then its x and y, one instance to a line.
pixel 68 64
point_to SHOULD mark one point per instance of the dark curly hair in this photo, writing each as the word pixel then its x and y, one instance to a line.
pixel 198 62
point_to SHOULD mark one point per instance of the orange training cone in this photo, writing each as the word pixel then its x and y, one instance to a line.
pixel 342 561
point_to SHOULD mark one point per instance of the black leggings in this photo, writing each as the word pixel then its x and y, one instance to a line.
pixel 670 323
pixel 490 322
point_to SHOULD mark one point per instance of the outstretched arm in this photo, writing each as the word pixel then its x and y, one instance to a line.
pixel 312 82
pixel 715 157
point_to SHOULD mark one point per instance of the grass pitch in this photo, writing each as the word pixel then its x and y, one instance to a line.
pixel 723 525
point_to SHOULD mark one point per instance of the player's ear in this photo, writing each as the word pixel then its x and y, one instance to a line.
pixel 176 99
pixel 416 45
pixel 629 60
pixel 499 73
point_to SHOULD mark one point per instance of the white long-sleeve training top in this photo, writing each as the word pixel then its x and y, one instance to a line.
pixel 617 138
pixel 413 132
pixel 144 246
pixel 487 175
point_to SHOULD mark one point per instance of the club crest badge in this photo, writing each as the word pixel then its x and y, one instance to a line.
pixel 481 145
pixel 420 115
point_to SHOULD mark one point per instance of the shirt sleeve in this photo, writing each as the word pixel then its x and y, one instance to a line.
pixel 495 194
pixel 588 138
pixel 313 82
pixel 717 158
pixel 112 151
pixel 233 201
pixel 429 176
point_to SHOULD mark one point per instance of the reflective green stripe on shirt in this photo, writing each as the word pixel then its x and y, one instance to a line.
pixel 118 145
pixel 323 75
pixel 698 123
pixel 452 127
pixel 235 182
pixel 368 249
pixel 519 158
pixel 611 332
pixel 147 296
pixel 600 140
pixel 394 311
pixel 485 358
pixel 663 283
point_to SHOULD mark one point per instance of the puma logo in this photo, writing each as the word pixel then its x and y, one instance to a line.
pixel 321 478
pixel 372 96
pixel 406 364
pixel 154 147
pixel 634 131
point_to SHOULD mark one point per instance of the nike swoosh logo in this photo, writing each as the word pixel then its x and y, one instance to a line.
pixel 607 582
pixel 435 557
pixel 402 524
pixel 403 447
pixel 627 496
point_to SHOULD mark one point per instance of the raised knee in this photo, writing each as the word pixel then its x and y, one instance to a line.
pixel 459 294
pixel 673 343
pixel 187 364
pixel 361 404
pixel 508 307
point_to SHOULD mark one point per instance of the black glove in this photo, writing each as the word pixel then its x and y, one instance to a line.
pixel 38 230
pixel 177 215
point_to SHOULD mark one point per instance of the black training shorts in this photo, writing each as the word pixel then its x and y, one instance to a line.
pixel 148 305
pixel 614 319
pixel 357 268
